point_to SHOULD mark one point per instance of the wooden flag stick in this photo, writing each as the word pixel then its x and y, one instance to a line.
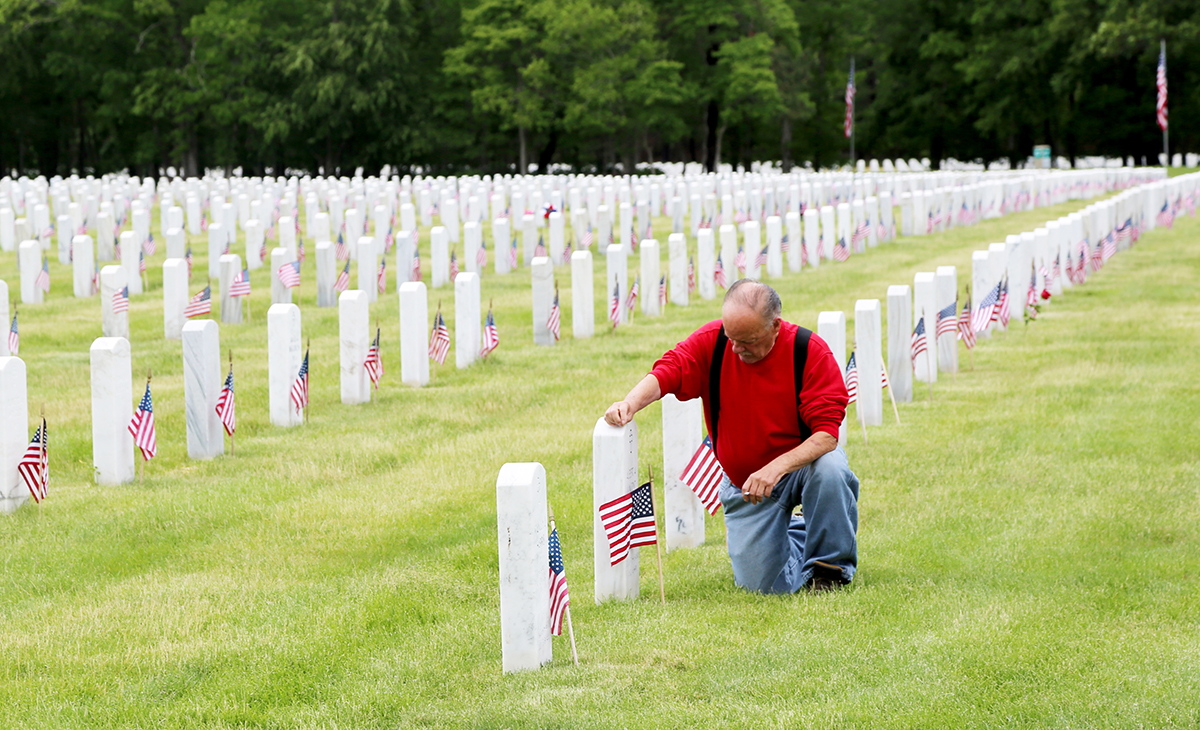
pixel 890 393
pixel 929 362
pixel 662 592
pixel 570 626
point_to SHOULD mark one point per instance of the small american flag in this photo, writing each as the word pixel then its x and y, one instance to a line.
pixel 1045 282
pixel 920 343
pixel 141 262
pixel 512 255
pixel 554 323
pixel 120 300
pixel 987 309
pixel 784 245
pixel 634 291
pixel 43 278
pixel 840 251
pixel 491 335
pixel 381 277
pixel 1055 272
pixel 141 426
pixel 481 257
pixel 540 249
pixel 739 260
pixel 34 466
pixel 453 266
pixel 803 254
pixel 560 597
pixel 226 409
pixel 703 476
pixel 585 240
pixel 567 253
pixel 96 279
pixel 200 304
pixel 374 363
pixel 299 251
pixel 1109 249
pixel 14 338
pixel 662 292
pixel 719 273
pixel 966 332
pixel 343 280
pixel 188 257
pixel 852 378
pixel 614 305
pixel 633 239
pixel 340 251
pixel 300 386
pixel 289 274
pixel 1165 218
pixel 629 522
pixel 691 274
pixel 415 274
pixel 1160 106
pixel 1003 311
pixel 203 222
pixel 860 236
pixel 241 284
pixel 761 259
pixel 946 322
pixel 439 340
pixel 149 246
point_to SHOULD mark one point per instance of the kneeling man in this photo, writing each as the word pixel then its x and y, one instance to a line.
pixel 774 398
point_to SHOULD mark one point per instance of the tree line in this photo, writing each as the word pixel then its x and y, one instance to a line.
pixel 450 86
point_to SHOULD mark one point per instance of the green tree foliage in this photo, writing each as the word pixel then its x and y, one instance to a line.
pixel 507 85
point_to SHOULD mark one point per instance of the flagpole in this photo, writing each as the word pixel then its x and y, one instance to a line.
pixel 1166 151
pixel 890 393
pixel 662 593
pixel 567 608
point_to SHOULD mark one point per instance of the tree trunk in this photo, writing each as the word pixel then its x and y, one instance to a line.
pixel 716 153
pixel 546 156
pixel 712 142
pixel 524 157
pixel 785 144
pixel 192 156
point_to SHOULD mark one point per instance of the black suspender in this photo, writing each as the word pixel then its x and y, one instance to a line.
pixel 799 359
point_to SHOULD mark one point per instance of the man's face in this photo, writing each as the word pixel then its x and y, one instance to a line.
pixel 750 337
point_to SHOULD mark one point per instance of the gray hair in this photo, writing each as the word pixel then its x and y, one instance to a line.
pixel 756 295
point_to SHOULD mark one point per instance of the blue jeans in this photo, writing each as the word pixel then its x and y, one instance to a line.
pixel 773 551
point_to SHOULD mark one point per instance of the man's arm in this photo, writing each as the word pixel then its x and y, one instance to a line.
pixel 642 395
pixel 758 485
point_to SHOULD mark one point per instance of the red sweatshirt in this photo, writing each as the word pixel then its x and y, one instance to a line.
pixel 758 402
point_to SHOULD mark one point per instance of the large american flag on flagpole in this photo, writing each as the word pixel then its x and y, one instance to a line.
pixel 629 522
pixel 141 426
pixel 703 475
pixel 1161 84
pixel 850 92
pixel 560 597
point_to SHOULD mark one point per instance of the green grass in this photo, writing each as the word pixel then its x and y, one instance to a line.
pixel 1028 545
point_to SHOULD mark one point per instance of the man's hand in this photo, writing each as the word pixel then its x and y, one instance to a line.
pixel 619 413
pixel 759 485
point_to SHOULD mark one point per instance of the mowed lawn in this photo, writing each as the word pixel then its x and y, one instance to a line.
pixel 1029 537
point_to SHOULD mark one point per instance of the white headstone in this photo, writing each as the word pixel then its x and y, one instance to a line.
pixel 368 268
pixel 217 241
pixel 523 539
pixel 83 266
pixel 682 432
pixel 867 325
pixel 614 473
pixel 354 325
pixel 8 229
pixel 105 242
pixel 900 368
pixel 280 294
pixel 529 236
pixel 112 280
pixel 112 409
pixel 29 257
pixel 414 334
pixel 5 319
pixel 728 254
pixel 677 265
pixel 829 232
pixel 254 244
pixel 557 236
pixel 231 307
pixel 202 380
pixel 706 260
pixel 812 237
pixel 175 296
pixel 583 315
pixel 774 246
pixel 831 327
pixel 472 239
pixel 946 288
pixel 468 328
pixel 14 404
pixel 617 279
pixel 649 271
pixel 327 272
pixel 439 257
pixel 501 245
pixel 981 283
pixel 752 234
pixel 284 357
pixel 925 305
pixel 542 272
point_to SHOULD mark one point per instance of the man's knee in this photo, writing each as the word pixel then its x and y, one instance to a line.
pixel 832 470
